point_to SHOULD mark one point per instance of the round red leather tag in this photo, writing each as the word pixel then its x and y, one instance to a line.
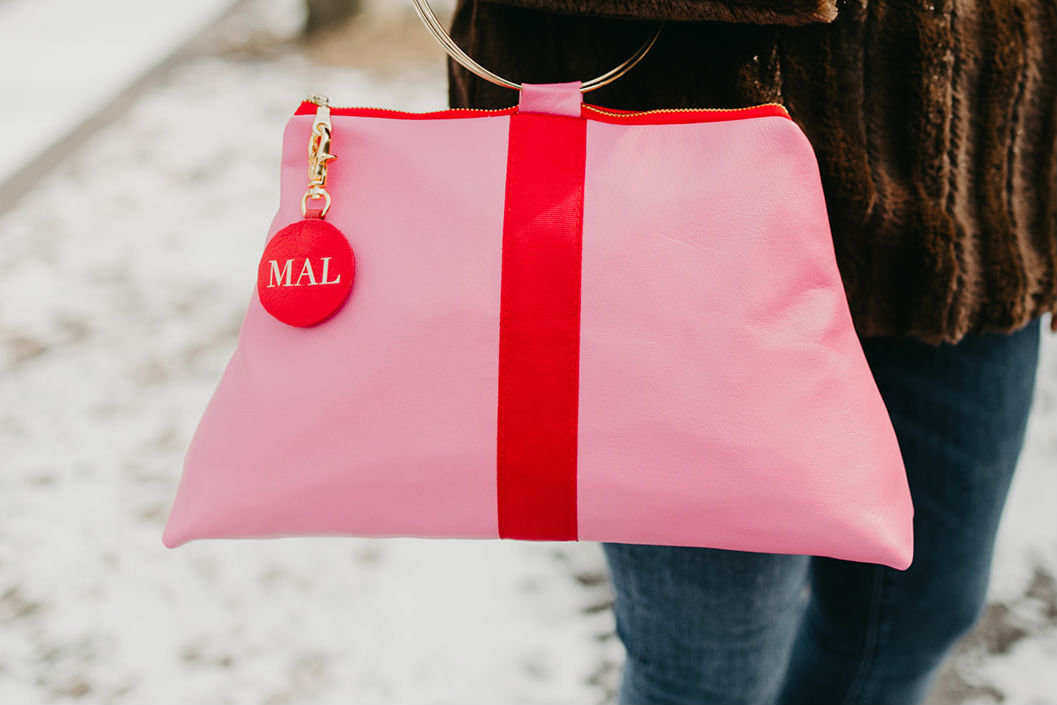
pixel 305 273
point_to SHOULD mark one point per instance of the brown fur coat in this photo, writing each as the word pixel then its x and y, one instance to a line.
pixel 933 122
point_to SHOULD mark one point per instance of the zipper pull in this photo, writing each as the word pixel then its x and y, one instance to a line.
pixel 316 201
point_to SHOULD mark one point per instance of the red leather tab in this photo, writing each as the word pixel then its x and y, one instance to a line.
pixel 539 328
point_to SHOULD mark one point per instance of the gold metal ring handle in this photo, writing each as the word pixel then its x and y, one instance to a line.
pixel 425 12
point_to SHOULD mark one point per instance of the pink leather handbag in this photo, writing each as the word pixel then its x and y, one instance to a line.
pixel 550 322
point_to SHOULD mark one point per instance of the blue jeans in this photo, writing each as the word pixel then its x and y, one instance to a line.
pixel 709 626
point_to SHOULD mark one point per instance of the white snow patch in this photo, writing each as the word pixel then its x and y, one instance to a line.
pixel 65 60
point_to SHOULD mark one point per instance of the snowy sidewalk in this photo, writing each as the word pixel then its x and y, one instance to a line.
pixel 128 274
pixel 64 62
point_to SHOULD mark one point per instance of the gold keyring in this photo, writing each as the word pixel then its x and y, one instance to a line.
pixel 425 12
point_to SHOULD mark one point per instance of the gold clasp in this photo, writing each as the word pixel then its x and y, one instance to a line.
pixel 319 157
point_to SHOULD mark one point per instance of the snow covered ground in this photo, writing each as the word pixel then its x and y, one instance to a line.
pixel 68 60
pixel 127 271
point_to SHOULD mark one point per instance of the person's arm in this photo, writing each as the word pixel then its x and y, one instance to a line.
pixel 787 12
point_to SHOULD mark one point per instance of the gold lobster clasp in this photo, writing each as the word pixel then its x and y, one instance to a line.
pixel 319 157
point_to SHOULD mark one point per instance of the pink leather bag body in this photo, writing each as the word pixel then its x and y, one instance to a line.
pixel 550 322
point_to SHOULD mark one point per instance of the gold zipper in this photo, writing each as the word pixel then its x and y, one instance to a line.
pixel 603 111
pixel 322 100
